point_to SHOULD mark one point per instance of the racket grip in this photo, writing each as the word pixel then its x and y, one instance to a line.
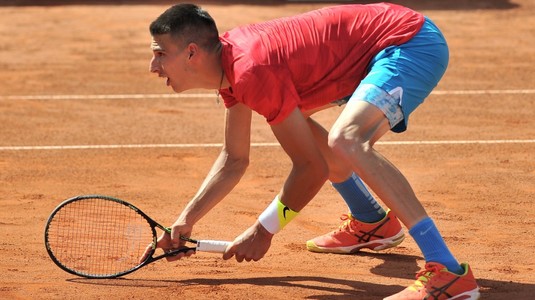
pixel 212 246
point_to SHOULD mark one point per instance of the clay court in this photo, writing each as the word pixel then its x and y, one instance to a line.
pixel 81 114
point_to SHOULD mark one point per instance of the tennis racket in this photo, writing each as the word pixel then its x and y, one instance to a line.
pixel 97 236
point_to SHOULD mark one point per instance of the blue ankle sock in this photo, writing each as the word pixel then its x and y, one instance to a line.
pixel 361 203
pixel 433 247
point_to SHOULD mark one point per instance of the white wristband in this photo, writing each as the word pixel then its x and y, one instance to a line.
pixel 276 216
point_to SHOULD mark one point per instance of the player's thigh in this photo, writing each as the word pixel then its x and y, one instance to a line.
pixel 360 122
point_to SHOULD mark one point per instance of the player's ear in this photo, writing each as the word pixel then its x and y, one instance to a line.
pixel 193 49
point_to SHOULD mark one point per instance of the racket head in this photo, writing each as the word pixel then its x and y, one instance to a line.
pixel 96 236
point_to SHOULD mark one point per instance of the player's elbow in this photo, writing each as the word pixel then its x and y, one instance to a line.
pixel 234 162
pixel 243 164
pixel 238 165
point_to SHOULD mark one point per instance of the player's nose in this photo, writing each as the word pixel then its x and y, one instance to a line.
pixel 154 66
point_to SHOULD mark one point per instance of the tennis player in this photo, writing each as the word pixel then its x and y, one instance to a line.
pixel 379 60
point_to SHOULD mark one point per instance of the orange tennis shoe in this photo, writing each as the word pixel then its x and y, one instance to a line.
pixel 353 235
pixel 435 282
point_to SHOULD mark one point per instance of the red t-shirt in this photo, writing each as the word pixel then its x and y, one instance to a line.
pixel 309 60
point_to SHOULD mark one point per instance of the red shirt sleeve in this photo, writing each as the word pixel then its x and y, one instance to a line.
pixel 268 90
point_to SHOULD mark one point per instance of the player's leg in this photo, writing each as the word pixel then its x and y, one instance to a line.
pixel 350 138
pixel 367 225
pixel 400 78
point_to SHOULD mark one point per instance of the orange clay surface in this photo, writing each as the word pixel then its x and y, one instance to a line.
pixel 481 195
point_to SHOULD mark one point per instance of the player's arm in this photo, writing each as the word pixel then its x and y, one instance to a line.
pixel 225 173
pixel 309 168
pixel 309 173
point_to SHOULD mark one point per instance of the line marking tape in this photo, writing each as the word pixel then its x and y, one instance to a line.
pixel 218 145
pixel 208 95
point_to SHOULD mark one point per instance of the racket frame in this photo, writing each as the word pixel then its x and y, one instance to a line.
pixel 153 225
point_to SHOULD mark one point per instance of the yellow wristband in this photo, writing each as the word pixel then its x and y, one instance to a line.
pixel 276 216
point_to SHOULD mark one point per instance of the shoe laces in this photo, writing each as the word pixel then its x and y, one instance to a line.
pixel 347 220
pixel 423 277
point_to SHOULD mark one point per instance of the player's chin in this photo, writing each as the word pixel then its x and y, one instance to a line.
pixel 177 89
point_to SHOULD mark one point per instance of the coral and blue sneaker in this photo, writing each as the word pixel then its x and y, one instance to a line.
pixel 353 235
pixel 435 282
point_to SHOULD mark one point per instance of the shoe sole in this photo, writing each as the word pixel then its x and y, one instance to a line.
pixel 470 295
pixel 375 245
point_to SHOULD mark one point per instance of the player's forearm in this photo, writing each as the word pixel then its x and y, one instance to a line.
pixel 222 178
pixel 302 184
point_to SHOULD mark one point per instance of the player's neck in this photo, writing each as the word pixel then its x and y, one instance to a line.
pixel 222 81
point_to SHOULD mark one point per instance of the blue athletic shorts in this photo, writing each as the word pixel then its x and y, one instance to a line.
pixel 401 77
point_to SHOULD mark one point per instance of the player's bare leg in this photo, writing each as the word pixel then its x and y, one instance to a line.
pixel 352 138
pixel 367 225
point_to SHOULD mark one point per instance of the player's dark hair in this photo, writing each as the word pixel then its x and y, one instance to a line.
pixel 189 23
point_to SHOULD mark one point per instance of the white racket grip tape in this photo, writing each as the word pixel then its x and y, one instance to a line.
pixel 212 246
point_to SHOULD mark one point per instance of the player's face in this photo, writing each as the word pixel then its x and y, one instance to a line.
pixel 170 62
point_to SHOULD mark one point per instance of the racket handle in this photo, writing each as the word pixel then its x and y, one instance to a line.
pixel 212 246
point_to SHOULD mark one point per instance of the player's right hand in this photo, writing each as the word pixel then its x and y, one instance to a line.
pixel 172 241
pixel 167 244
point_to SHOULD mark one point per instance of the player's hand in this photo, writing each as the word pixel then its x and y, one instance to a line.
pixel 167 243
pixel 252 244
pixel 163 242
pixel 178 229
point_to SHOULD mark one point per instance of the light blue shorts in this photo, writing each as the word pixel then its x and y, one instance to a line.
pixel 401 77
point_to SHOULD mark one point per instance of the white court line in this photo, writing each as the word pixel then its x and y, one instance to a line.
pixel 105 97
pixel 207 95
pixel 218 145
pixel 204 95
pixel 483 92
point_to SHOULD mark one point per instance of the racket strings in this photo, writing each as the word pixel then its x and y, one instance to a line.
pixel 96 237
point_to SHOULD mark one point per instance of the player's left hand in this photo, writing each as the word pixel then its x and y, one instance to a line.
pixel 252 244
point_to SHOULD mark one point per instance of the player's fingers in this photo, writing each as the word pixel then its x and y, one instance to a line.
pixel 258 255
pixel 229 253
pixel 189 253
pixel 146 253
pixel 175 238
pixel 175 257
pixel 239 258
pixel 248 257
pixel 179 255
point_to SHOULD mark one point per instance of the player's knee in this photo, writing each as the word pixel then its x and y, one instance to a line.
pixel 348 146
